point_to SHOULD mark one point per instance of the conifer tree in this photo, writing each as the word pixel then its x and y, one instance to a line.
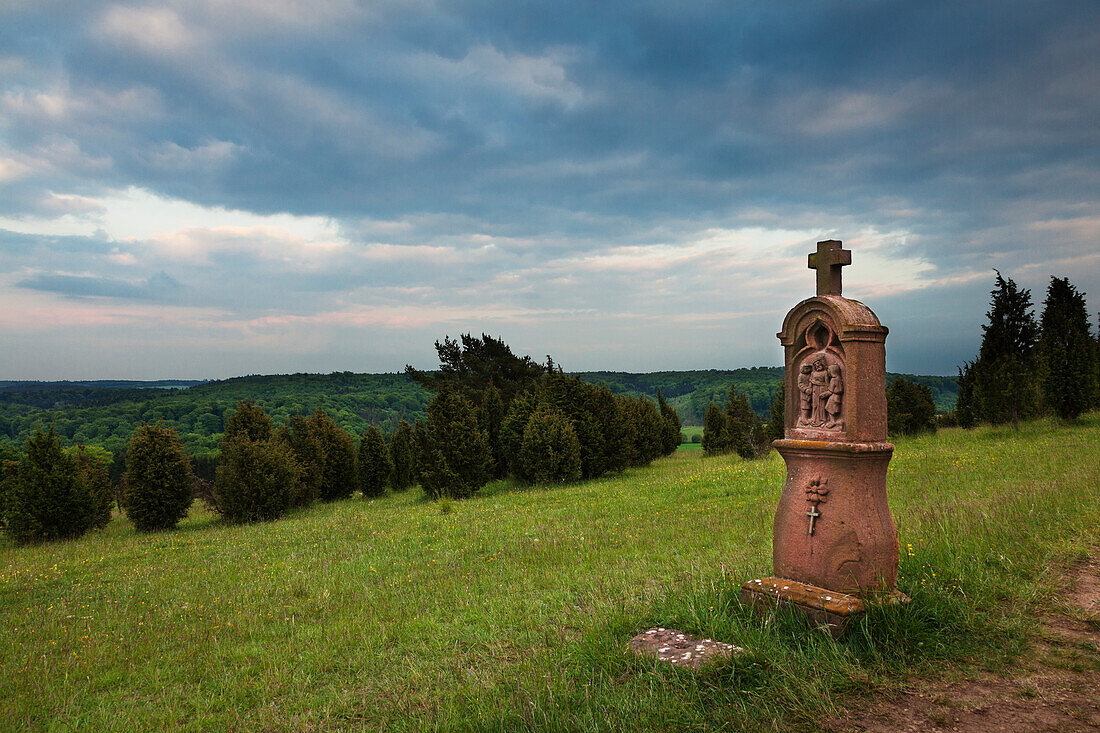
pixel 454 458
pixel 95 474
pixel 671 437
pixel 306 449
pixel 1006 376
pixel 256 480
pixel 645 428
pixel 551 452
pixel 339 478
pixel 375 464
pixel 715 439
pixel 421 447
pixel 910 408
pixel 776 428
pixel 403 454
pixel 473 364
pixel 965 409
pixel 743 426
pixel 514 425
pixel 249 419
pixel 44 496
pixel 1096 360
pixel 158 479
pixel 611 451
pixel 1067 351
pixel 492 418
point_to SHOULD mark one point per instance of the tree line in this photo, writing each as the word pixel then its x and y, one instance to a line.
pixel 1028 367
pixel 492 415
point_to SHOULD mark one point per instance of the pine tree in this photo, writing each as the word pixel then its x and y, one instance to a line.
pixel 671 437
pixel 403 453
pixel 454 458
pixel 158 479
pixel 473 364
pixel 715 439
pixel 1005 379
pixel 1067 351
pixel 375 464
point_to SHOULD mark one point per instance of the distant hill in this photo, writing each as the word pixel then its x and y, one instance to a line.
pixel 106 412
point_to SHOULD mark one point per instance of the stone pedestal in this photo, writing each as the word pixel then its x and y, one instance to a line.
pixel 843 540
pixel 833 536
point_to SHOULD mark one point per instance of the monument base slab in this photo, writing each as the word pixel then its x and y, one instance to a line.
pixel 829 609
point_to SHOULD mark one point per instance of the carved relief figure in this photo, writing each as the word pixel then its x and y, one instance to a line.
pixel 805 395
pixel 819 381
pixel 833 405
pixel 821 393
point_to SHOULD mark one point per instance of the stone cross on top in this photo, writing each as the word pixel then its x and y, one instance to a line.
pixel 828 260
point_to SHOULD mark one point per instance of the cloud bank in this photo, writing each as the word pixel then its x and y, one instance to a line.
pixel 206 188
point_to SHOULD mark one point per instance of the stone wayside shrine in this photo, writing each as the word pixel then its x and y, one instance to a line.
pixel 834 545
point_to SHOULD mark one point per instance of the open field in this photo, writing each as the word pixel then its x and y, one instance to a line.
pixel 514 610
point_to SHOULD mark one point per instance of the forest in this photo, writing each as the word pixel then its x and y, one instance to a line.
pixel 106 413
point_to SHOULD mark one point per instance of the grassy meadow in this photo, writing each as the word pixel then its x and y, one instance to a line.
pixel 513 610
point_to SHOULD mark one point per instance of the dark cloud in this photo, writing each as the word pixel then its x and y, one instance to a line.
pixel 158 287
pixel 531 155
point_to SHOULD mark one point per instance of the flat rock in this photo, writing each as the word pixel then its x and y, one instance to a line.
pixel 680 649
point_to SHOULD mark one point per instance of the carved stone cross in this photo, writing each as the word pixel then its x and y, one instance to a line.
pixel 813 514
pixel 828 260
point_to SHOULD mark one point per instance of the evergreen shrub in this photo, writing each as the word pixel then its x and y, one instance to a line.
pixel 257 480
pixel 300 436
pixel 158 479
pixel 671 437
pixel 375 464
pixel 551 452
pixel 715 439
pixel 453 457
pixel 94 467
pixel 403 455
pixel 514 426
pixel 249 419
pixel 339 479
pixel 45 497
pixel 910 408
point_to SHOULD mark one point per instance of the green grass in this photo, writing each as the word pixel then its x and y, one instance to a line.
pixel 513 610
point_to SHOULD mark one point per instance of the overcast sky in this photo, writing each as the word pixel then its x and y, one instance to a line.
pixel 209 188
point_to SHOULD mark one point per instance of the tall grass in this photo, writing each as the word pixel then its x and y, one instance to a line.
pixel 514 609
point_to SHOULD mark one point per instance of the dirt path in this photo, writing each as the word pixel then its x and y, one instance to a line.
pixel 1055 688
